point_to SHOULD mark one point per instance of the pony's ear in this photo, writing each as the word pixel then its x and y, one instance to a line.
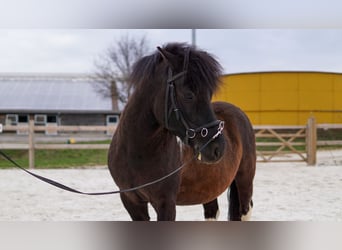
pixel 167 57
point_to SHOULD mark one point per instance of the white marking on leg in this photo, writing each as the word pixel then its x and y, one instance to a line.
pixel 217 214
pixel 247 217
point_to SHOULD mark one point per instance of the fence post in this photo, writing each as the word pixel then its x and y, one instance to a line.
pixel 31 141
pixel 311 141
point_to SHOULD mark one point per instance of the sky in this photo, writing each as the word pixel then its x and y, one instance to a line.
pixel 170 14
pixel 238 50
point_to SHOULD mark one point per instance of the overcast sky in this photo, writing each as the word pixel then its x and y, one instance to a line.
pixel 245 50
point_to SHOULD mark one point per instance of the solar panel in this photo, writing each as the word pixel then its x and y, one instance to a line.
pixel 53 93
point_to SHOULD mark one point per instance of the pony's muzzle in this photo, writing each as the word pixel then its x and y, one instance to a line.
pixel 213 152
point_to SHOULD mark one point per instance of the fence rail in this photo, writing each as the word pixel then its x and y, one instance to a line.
pixel 274 143
pixel 329 142
pixel 31 146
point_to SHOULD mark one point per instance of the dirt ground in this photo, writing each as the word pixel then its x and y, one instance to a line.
pixel 282 192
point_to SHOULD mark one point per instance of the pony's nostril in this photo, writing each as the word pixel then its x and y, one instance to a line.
pixel 217 152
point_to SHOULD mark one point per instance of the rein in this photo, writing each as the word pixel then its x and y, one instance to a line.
pixel 190 133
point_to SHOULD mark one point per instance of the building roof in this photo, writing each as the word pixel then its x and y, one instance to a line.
pixel 282 71
pixel 68 93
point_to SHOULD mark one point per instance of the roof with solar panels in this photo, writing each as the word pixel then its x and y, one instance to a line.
pixel 63 93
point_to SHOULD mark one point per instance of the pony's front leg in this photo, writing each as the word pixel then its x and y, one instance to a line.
pixel 165 209
pixel 136 207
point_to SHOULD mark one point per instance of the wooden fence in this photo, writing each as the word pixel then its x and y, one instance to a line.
pixel 287 143
pixel 330 142
pixel 274 143
pixel 31 146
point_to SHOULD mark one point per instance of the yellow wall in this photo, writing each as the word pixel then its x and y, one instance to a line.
pixel 284 98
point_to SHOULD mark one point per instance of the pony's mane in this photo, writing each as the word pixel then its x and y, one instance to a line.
pixel 203 70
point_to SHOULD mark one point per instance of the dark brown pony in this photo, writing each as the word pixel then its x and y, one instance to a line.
pixel 172 92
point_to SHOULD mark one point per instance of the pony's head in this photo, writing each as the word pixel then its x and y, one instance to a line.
pixel 187 78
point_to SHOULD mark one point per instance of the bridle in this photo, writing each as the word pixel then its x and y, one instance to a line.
pixel 170 97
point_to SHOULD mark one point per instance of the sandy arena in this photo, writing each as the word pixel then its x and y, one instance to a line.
pixel 282 192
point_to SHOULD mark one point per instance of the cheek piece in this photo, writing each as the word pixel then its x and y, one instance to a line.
pixel 170 97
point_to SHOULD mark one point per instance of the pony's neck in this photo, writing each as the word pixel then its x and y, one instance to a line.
pixel 144 129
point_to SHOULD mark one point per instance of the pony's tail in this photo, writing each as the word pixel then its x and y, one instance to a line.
pixel 234 202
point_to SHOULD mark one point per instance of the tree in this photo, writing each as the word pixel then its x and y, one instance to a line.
pixel 115 65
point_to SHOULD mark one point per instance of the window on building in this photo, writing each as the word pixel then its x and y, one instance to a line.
pixel 23 118
pixel 51 119
pixel 39 119
pixel 112 119
pixel 11 119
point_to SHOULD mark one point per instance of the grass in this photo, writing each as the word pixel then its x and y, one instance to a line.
pixel 45 159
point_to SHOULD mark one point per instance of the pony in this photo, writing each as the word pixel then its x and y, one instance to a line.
pixel 171 101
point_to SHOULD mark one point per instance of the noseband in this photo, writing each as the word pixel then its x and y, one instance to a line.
pixel 190 133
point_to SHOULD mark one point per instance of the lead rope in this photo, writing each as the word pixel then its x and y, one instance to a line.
pixel 66 188
pixel 175 109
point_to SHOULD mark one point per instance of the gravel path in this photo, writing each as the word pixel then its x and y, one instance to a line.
pixel 282 192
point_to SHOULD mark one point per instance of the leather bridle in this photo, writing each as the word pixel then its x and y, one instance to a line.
pixel 170 97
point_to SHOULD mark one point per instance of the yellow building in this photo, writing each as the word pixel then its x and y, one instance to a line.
pixel 284 98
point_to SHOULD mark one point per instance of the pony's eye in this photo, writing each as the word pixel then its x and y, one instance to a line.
pixel 189 96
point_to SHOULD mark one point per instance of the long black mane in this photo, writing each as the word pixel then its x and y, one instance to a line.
pixel 203 70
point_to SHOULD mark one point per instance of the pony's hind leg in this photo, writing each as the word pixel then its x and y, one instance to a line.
pixel 234 203
pixel 240 200
pixel 136 207
pixel 211 210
